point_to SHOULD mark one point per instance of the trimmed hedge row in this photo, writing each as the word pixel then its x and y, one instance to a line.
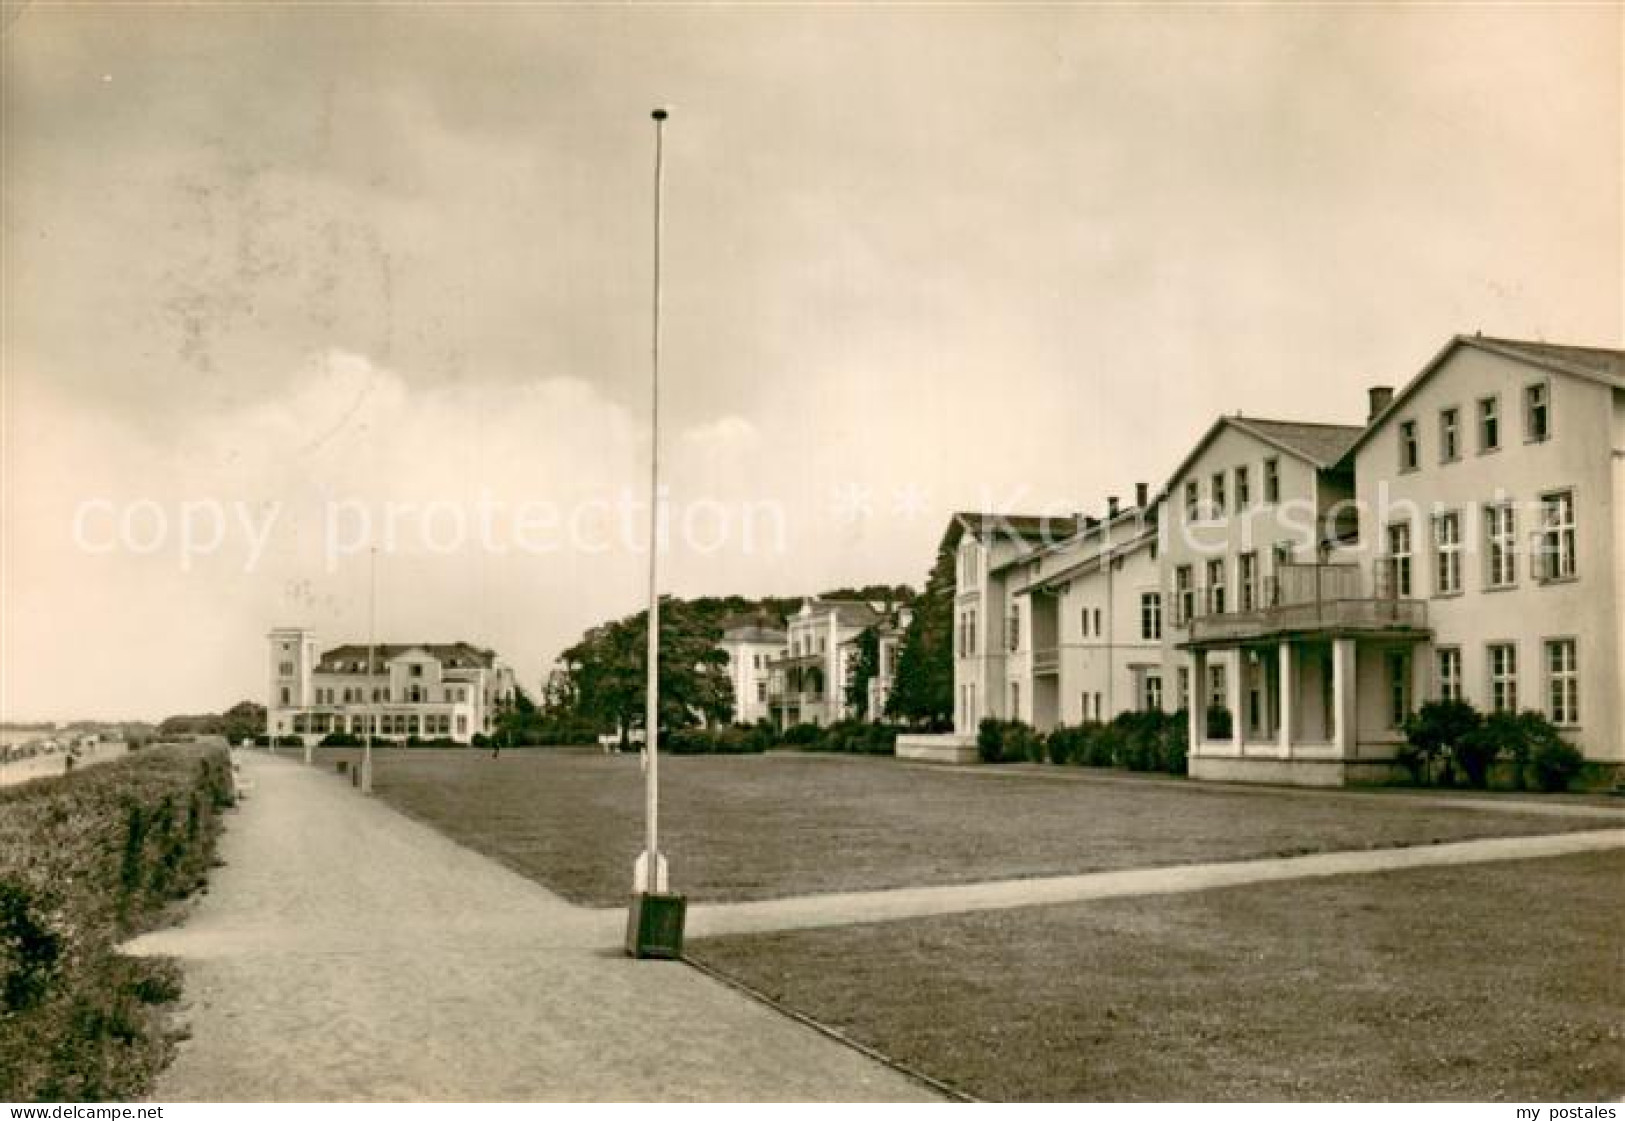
pixel 1138 741
pixel 86 860
pixel 728 739
pixel 850 737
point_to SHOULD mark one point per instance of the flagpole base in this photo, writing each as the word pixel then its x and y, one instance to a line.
pixel 654 926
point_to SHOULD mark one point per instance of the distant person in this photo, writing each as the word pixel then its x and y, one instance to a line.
pixel 496 748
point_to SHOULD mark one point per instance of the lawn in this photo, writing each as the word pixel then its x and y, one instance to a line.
pixel 757 827
pixel 1487 982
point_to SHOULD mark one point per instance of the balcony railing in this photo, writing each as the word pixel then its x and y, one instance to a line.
pixel 1047 661
pixel 1315 597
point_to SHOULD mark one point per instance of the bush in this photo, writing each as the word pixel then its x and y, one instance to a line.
pixel 1555 761
pixel 1219 724
pixel 727 739
pixel 341 739
pixel 800 735
pixel 854 737
pixel 1442 731
pixel 86 860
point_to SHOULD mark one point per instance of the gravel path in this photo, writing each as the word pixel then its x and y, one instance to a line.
pixel 847 908
pixel 345 952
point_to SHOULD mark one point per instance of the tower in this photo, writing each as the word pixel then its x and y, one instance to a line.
pixel 292 656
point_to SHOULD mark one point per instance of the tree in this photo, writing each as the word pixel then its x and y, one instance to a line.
pixel 606 672
pixel 923 691
pixel 863 668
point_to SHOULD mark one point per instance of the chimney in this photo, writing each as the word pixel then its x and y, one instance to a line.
pixel 1381 397
pixel 1111 507
pixel 1142 495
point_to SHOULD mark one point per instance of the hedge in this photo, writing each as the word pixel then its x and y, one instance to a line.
pixel 728 739
pixel 850 737
pixel 88 859
pixel 1139 741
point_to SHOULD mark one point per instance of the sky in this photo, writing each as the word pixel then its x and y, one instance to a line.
pixel 283 284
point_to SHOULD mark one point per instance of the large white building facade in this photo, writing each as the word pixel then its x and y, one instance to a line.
pixel 1301 587
pixel 807 682
pixel 451 691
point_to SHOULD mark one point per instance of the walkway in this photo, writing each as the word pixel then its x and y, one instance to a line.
pixel 844 909
pixel 345 952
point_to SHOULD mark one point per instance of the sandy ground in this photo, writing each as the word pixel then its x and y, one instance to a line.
pixel 345 952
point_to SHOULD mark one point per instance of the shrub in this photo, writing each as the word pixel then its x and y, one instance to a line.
pixel 341 739
pixel 1219 724
pixel 1442 731
pixel 86 860
pixel 727 739
pixel 800 735
pixel 1555 761
pixel 990 740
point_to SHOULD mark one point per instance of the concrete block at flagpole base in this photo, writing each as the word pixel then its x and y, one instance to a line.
pixel 654 926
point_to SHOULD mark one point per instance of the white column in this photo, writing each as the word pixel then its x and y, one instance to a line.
pixel 1288 686
pixel 1196 702
pixel 1343 710
pixel 1235 694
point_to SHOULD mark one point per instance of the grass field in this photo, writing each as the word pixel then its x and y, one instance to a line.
pixel 1490 982
pixel 763 826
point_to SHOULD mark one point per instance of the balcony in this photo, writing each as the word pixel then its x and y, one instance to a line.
pixel 1047 661
pixel 1309 599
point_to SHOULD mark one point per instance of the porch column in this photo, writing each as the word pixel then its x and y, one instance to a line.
pixel 1196 702
pixel 1288 686
pixel 1235 696
pixel 1343 711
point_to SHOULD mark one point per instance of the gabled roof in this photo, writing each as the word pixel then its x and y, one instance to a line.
pixel 1040 528
pixel 1317 444
pixel 1089 528
pixel 1089 563
pixel 1595 364
pixel 453 655
pixel 753 633
pixel 852 612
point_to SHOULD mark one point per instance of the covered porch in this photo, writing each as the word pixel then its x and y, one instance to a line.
pixel 1315 694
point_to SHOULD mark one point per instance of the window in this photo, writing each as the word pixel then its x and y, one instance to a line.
pixel 1557 555
pixel 417 669
pixel 1398 664
pixel 1489 424
pixel 1449 435
pixel 1151 701
pixel 1562 681
pixel 1015 700
pixel 1183 684
pixel 1244 492
pixel 1083 622
pixel 1409 451
pixel 1537 412
pixel 1151 616
pixel 1184 596
pixel 1215 586
pixel 1013 625
pixel 1272 480
pixel 285 697
pixel 1099 630
pixel 1448 666
pixel 1500 540
pixel 1216 498
pixel 1246 581
pixel 1503 657
pixel 1399 560
pixel 1192 502
pixel 761 691
pixel 1447 553
pixel 286 669
pixel 1217 692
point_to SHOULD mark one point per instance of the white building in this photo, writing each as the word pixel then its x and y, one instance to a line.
pixel 1083 634
pixel 751 649
pixel 430 691
pixel 983 545
pixel 1495 485
pixel 807 683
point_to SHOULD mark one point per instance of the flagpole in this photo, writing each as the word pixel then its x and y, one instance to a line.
pixel 372 668
pixel 655 921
